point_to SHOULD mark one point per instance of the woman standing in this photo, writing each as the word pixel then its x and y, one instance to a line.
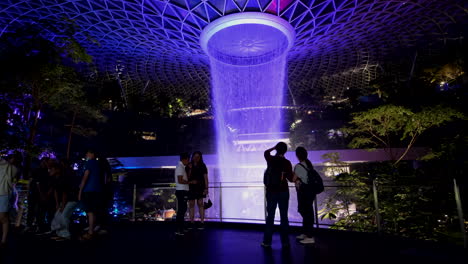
pixel 8 177
pixel 304 200
pixel 197 192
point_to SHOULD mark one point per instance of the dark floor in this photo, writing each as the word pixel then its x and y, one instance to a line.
pixel 156 243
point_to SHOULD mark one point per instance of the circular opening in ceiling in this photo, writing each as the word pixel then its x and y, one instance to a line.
pixel 247 38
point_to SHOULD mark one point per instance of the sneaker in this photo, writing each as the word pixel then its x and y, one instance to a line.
pixel 179 233
pixel 265 245
pixel 301 237
pixel 308 240
pixel 87 237
pixel 30 229
pixel 102 232
pixel 96 228
pixel 201 226
pixel 63 239
pixel 44 233
pixel 190 226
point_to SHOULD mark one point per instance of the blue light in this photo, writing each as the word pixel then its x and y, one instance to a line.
pixel 339 44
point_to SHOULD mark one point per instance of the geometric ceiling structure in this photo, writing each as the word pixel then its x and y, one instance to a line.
pixel 153 46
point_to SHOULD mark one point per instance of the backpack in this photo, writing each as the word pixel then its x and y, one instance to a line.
pixel 273 176
pixel 314 182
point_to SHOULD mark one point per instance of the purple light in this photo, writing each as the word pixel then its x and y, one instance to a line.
pixel 247 39
pixel 47 154
pixel 248 61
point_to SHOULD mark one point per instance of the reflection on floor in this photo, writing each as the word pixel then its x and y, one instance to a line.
pixel 156 243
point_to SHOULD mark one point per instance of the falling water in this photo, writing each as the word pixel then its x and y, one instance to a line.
pixel 246 101
pixel 248 63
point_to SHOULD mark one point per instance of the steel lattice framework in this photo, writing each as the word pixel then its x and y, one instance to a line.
pixel 153 46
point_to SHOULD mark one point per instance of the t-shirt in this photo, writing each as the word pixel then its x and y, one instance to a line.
pixel 7 177
pixel 180 171
pixel 284 166
pixel 94 183
pixel 301 172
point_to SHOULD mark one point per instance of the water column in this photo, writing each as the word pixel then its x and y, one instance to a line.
pixel 247 54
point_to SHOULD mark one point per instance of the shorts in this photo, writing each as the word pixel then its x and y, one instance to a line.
pixel 91 202
pixel 5 204
pixel 196 195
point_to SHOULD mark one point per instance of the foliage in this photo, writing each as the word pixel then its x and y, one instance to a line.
pixel 408 207
pixel 423 78
pixel 81 113
pixel 414 210
pixel 39 72
pixel 352 187
pixel 416 203
pixel 38 66
pixel 388 126
pixel 443 73
pixel 450 149
pixel 162 105
pixel 152 202
pixel 11 135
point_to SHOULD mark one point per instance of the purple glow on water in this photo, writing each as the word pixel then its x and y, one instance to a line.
pixel 248 61
pixel 248 54
pixel 236 89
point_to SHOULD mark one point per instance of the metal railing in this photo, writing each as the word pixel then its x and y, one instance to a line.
pixel 244 202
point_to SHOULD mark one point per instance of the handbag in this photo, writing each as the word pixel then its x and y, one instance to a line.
pixel 207 204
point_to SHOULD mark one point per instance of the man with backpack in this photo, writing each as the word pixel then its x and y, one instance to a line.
pixel 278 172
pixel 308 185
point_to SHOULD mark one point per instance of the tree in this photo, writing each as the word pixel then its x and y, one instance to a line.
pixel 39 69
pixel 77 108
pixel 163 105
pixel 13 129
pixel 391 126
pixel 353 187
pixel 409 206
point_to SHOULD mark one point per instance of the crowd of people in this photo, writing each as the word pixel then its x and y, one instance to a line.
pixel 191 177
pixel 55 190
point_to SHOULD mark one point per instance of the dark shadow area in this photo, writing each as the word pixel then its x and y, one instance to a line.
pixel 225 243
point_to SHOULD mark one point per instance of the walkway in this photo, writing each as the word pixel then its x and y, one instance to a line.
pixel 156 243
